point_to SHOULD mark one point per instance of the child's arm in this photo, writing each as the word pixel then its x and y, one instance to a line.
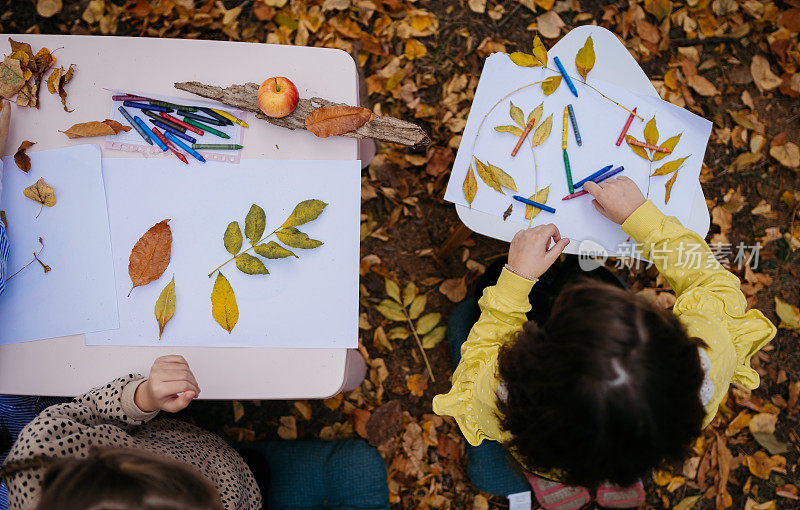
pixel 503 309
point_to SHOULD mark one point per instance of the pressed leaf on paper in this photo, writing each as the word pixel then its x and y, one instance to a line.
pixel 150 255
pixel 296 239
pixel 502 178
pixel 224 309
pixel 639 151
pixel 254 224
pixel 539 52
pixel 273 250
pixel 517 115
pixel 165 306
pixel 584 59
pixel 249 264
pixel 668 186
pixel 232 238
pixel 337 120
pixel 651 132
pixel 535 114
pixel 540 196
pixel 95 128
pixel 523 59
pixel 669 167
pixel 22 160
pixel 514 130
pixel 305 211
pixel 486 175
pixel 42 193
pixel 551 84
pixel 542 132
pixel 470 186
pixel 669 144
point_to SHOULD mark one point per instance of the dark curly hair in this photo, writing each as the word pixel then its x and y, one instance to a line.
pixel 606 390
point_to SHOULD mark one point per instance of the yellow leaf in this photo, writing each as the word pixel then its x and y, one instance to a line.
pixel 517 115
pixel 539 52
pixel 415 49
pixel 535 114
pixel 584 60
pixel 486 175
pixel 392 289
pixel 669 144
pixel 788 314
pixel 165 306
pixel 523 59
pixel 273 250
pixel 409 293
pixel 427 322
pixel 669 167
pixel 668 186
pixel 502 178
pixel 651 132
pixel 254 223
pixel 42 193
pixel 639 151
pixel 687 503
pixel 223 304
pixel 541 197
pixel 417 384
pixel 433 338
pixel 296 239
pixel 658 8
pixel 417 306
pixel 232 238
pixel 391 310
pixel 470 186
pixel 551 84
pixel 514 130
pixel 542 132
pixel 249 264
pixel 305 211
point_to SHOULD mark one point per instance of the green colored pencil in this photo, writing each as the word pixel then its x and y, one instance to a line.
pixel 569 172
pixel 204 127
pixel 177 107
pixel 217 146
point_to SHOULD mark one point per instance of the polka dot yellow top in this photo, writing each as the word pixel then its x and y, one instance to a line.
pixel 709 304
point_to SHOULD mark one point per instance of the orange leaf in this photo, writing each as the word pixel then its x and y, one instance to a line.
pixel 22 160
pixel 337 120
pixel 95 128
pixel 417 384
pixel 150 255
pixel 360 419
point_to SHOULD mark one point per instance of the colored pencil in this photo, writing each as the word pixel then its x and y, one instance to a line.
pixel 564 131
pixel 574 125
pixel 139 122
pixel 522 137
pixel 143 106
pixel 154 117
pixel 181 123
pixel 566 76
pixel 599 179
pixel 134 125
pixel 170 129
pixel 208 129
pixel 217 146
pixel 202 118
pixel 593 176
pixel 170 146
pixel 185 147
pixel 534 204
pixel 217 116
pixel 176 107
pixel 650 146
pixel 128 98
pixel 230 117
pixel 625 129
pixel 568 172
pixel 158 141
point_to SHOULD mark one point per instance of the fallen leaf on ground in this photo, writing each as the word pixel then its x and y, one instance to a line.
pixel 42 193
pixel 360 419
pixel 787 154
pixel 165 306
pixel 95 128
pixel 384 423
pixel 762 74
pixel 303 408
pixel 761 465
pixel 22 160
pixel 337 120
pixel 150 255
pixel 48 8
pixel 288 428
pixel 223 304
pixel 455 289
pixel 549 24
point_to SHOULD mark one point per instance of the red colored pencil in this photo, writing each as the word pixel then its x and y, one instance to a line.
pixel 169 145
pixel 182 124
pixel 625 129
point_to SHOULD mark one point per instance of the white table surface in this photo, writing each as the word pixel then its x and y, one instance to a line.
pixel 65 366
pixel 626 73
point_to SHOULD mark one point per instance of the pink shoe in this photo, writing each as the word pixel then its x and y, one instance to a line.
pixel 557 496
pixel 614 496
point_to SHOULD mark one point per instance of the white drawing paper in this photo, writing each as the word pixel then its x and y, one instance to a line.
pixel 79 293
pixel 600 122
pixel 310 301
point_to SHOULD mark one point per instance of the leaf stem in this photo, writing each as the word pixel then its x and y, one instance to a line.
pixel 248 249
pixel 419 342
pixel 35 258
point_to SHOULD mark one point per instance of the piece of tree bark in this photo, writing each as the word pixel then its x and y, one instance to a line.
pixel 245 97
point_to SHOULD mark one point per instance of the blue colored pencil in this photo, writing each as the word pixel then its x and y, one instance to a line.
pixel 185 147
pixel 592 177
pixel 135 126
pixel 142 106
pixel 574 124
pixel 566 76
pixel 534 204
pixel 599 179
pixel 170 129
pixel 139 122
pixel 159 142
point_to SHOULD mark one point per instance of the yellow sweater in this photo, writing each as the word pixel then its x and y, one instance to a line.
pixel 709 304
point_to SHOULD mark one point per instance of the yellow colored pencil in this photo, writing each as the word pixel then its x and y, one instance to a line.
pixel 230 117
pixel 564 133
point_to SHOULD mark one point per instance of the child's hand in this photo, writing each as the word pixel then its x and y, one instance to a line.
pixel 169 376
pixel 5 120
pixel 531 254
pixel 616 199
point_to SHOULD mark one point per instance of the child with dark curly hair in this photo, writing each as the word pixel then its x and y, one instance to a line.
pixel 607 387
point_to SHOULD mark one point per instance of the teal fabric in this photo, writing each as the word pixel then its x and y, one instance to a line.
pixel 346 474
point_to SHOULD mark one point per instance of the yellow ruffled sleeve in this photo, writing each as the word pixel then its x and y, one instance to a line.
pixel 471 400
pixel 710 303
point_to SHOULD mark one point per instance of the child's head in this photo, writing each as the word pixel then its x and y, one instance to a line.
pixel 607 390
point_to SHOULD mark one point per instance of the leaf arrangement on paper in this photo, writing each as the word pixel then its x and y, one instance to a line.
pixel 223 298
pixel 42 193
pixel 651 151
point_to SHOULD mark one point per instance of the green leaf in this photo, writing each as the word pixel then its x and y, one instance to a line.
pixel 296 239
pixel 486 175
pixel 417 306
pixel 514 130
pixel 433 338
pixel 584 60
pixel 539 52
pixel 788 314
pixel 639 151
pixel 523 59
pixel 273 250
pixel 669 167
pixel 669 144
pixel 409 293
pixel 392 289
pixel 502 178
pixel 427 322
pixel 535 114
pixel 165 306
pixel 517 115
pixel 305 211
pixel 232 238
pixel 391 310
pixel 223 304
pixel 249 264
pixel 542 132
pixel 651 132
pixel 254 223
pixel 551 84
pixel 398 333
pixel 541 197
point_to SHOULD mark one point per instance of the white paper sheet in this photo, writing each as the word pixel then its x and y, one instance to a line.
pixel 79 293
pixel 600 122
pixel 310 301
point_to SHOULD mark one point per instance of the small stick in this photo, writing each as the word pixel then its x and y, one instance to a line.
pixel 649 146
pixel 522 137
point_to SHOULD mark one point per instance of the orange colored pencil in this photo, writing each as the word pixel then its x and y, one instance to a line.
pixel 650 146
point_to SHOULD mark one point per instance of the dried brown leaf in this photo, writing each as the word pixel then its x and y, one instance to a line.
pixel 22 160
pixel 150 255
pixel 337 120
pixel 42 193
pixel 95 128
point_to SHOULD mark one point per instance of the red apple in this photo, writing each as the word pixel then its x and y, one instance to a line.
pixel 277 97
